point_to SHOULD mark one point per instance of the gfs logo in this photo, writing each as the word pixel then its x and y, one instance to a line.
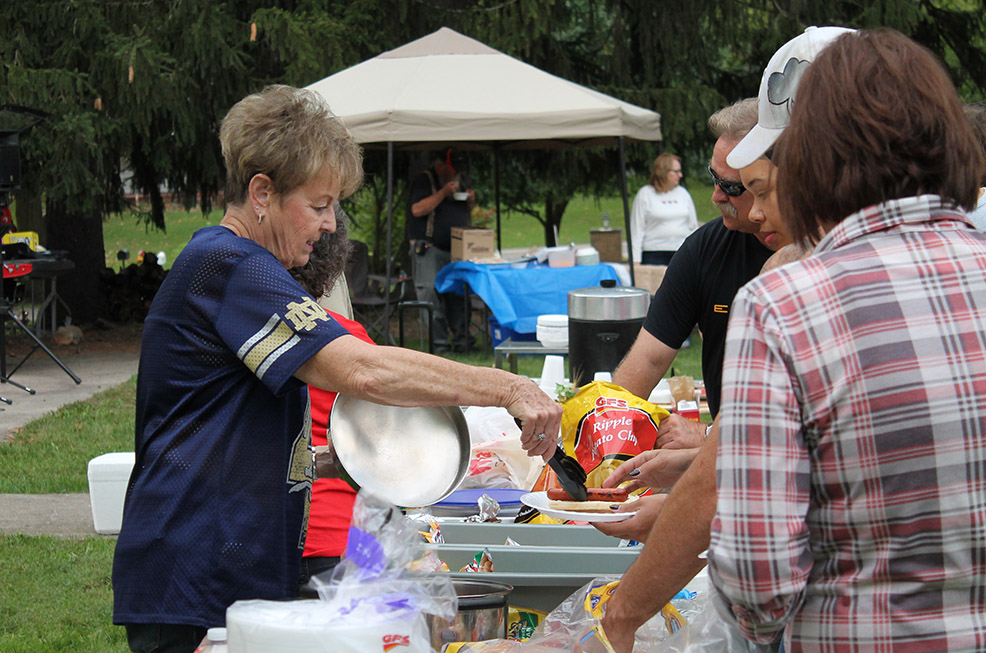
pixel 391 642
pixel 605 403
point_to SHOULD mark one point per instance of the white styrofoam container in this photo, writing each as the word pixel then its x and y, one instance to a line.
pixel 552 330
pixel 108 477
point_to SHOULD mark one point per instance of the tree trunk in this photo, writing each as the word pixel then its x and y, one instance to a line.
pixel 554 209
pixel 29 216
pixel 81 236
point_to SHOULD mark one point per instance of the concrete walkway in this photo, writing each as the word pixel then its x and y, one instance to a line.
pixel 61 515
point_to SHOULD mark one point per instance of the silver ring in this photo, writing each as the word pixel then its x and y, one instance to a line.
pixel 540 436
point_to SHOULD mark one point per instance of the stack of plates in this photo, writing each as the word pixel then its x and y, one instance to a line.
pixel 465 503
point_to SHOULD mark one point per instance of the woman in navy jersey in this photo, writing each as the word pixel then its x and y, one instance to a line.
pixel 217 502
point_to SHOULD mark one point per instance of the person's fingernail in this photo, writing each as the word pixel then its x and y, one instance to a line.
pixel 635 472
pixel 615 507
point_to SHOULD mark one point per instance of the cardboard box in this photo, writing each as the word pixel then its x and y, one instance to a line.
pixel 469 243
pixel 609 244
pixel 108 477
pixel 648 277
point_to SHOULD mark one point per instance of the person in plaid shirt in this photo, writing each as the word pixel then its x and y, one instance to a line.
pixel 851 467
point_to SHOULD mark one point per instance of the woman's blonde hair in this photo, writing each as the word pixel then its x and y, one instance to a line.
pixel 290 135
pixel 659 172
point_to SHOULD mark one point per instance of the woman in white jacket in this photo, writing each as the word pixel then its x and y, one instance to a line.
pixel 663 214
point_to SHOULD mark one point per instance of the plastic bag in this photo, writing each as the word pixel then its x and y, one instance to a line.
pixel 574 624
pixel 372 599
pixel 707 632
pixel 382 555
pixel 498 460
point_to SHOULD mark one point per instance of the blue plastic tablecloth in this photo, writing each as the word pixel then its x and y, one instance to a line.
pixel 517 297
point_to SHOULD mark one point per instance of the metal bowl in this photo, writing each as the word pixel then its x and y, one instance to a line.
pixel 407 456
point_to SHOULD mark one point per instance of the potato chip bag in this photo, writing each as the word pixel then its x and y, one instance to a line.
pixel 602 426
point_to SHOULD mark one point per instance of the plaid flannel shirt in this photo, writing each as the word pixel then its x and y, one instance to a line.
pixel 852 459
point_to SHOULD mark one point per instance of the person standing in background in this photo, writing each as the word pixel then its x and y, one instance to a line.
pixel 976 113
pixel 439 201
pixel 663 214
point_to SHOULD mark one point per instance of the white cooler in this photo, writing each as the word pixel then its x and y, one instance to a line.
pixel 108 478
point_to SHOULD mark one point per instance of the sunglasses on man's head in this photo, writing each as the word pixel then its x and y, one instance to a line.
pixel 731 188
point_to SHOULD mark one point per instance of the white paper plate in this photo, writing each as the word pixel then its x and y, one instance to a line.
pixel 539 501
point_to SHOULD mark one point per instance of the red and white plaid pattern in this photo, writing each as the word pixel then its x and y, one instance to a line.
pixel 852 455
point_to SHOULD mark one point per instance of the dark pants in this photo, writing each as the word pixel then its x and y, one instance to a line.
pixel 315 565
pixel 164 638
pixel 449 316
pixel 656 257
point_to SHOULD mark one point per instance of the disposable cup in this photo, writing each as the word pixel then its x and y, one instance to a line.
pixel 553 371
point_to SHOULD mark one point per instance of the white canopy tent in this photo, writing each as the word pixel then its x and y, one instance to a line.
pixel 446 88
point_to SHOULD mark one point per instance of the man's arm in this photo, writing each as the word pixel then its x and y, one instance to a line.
pixel 670 557
pixel 644 365
pixel 428 204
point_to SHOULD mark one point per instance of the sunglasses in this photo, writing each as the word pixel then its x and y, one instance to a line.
pixel 731 188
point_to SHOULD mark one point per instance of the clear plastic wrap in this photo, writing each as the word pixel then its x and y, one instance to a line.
pixel 574 625
pixel 386 561
pixel 373 600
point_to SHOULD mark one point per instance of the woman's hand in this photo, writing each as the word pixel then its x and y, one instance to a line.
pixel 676 432
pixel 639 525
pixel 656 469
pixel 540 419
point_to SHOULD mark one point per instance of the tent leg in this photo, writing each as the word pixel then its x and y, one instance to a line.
pixel 496 195
pixel 626 208
pixel 390 228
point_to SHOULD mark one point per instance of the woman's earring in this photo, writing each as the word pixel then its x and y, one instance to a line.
pixel 260 214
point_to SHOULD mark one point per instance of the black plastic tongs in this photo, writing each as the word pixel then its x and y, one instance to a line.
pixel 570 474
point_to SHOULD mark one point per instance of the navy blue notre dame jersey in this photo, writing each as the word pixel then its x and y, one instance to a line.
pixel 217 503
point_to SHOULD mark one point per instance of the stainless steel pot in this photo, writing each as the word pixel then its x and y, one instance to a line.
pixel 603 322
pixel 482 614
pixel 408 456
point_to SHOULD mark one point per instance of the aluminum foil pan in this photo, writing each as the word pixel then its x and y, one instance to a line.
pixel 408 456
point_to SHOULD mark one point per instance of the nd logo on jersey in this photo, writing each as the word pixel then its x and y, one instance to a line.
pixel 303 316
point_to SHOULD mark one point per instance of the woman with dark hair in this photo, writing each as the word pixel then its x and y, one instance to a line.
pixel 663 213
pixel 851 507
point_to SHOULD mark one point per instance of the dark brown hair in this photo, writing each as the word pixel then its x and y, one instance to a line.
pixel 876 119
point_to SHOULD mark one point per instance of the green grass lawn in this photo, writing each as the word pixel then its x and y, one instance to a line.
pixel 583 213
pixel 57 595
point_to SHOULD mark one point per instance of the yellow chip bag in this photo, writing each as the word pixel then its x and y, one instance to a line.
pixel 602 426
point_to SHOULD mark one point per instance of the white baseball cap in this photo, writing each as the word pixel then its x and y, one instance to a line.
pixel 777 88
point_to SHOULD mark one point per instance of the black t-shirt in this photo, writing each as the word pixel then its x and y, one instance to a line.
pixel 450 213
pixel 698 288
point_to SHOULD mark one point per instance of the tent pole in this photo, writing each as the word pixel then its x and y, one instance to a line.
pixel 496 195
pixel 390 226
pixel 626 208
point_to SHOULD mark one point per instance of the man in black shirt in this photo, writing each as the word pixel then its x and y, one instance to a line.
pixel 700 283
pixel 438 203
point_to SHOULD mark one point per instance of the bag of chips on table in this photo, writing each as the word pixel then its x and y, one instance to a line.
pixel 602 426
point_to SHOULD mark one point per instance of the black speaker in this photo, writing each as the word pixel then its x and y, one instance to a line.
pixel 10 161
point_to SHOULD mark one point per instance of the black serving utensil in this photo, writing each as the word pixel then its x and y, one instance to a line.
pixel 570 474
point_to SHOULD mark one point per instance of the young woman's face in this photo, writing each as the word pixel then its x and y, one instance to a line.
pixel 300 217
pixel 760 178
